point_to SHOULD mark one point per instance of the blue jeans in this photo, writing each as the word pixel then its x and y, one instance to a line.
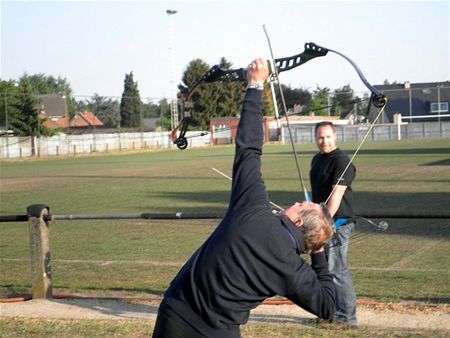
pixel 337 251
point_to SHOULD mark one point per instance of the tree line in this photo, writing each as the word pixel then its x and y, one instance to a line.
pixel 22 101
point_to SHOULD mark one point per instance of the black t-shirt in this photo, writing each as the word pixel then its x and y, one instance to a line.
pixel 326 169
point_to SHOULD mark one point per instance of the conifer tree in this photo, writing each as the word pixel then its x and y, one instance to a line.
pixel 24 117
pixel 130 104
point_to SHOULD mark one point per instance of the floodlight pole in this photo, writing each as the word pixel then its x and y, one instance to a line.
pixel 173 101
pixel 439 86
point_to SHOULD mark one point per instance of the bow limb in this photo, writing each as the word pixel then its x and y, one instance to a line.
pixel 180 140
pixel 378 99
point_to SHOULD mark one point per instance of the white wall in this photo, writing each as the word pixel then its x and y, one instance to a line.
pixel 63 144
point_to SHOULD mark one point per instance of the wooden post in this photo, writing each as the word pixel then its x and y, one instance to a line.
pixel 40 251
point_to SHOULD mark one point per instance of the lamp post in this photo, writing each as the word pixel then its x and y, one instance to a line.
pixel 173 101
pixel 6 123
pixel 40 108
pixel 407 86
pixel 439 86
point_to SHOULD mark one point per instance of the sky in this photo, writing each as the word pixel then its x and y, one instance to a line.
pixel 93 44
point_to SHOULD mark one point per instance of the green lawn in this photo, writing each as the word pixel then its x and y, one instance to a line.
pixel 407 262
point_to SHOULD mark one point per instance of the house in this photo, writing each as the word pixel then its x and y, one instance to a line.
pixel 420 102
pixel 85 119
pixel 54 111
pixel 54 122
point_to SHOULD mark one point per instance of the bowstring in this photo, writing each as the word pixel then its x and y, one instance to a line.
pixel 357 149
pixel 275 78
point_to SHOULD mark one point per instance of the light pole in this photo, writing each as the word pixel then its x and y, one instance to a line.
pixel 408 87
pixel 439 86
pixel 6 124
pixel 40 108
pixel 173 101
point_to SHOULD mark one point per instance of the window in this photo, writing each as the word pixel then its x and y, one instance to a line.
pixel 439 107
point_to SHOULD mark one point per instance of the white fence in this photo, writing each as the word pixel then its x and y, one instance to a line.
pixel 12 147
pixel 380 132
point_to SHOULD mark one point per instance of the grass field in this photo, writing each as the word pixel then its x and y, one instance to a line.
pixel 407 262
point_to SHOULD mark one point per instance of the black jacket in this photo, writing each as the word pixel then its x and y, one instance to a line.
pixel 252 254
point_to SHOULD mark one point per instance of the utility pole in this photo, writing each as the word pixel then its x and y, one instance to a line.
pixel 173 88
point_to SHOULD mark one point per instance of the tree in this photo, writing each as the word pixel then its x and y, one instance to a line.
pixel 130 104
pixel 203 98
pixel 8 95
pixel 386 82
pixel 211 100
pixel 319 101
pixel 24 117
pixel 362 105
pixel 231 95
pixel 47 84
pixel 294 97
pixel 268 104
pixel 343 101
pixel 150 110
pixel 164 114
pixel 106 109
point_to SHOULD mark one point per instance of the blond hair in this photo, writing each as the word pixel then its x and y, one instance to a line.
pixel 317 228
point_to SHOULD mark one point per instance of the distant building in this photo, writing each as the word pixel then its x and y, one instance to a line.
pixel 415 99
pixel 85 120
pixel 54 111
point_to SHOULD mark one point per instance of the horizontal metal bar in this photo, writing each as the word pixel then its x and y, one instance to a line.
pixel 423 116
pixel 177 215
pixel 384 214
pixel 378 214
pixel 13 218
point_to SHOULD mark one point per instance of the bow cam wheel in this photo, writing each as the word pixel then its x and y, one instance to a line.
pixel 182 143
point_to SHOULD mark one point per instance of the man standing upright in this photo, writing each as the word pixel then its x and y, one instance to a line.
pixel 331 179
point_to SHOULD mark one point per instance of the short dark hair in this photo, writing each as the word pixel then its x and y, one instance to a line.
pixel 323 124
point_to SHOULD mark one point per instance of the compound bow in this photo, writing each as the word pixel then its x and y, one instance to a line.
pixel 219 74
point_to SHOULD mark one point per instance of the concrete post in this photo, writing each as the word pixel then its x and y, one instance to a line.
pixel 40 251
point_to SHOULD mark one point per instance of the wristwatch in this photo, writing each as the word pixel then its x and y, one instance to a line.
pixel 257 85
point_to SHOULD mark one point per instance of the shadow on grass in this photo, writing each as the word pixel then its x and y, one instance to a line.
pixel 427 300
pixel 116 307
pixel 115 290
pixel 438 163
pixel 265 318
pixel 392 202
pixel 398 151
pixel 365 202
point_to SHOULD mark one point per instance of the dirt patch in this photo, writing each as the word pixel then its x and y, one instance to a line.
pixel 383 315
